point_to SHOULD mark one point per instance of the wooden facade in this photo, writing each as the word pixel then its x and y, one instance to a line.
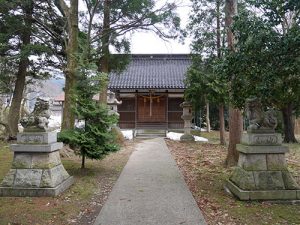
pixel 151 90
pixel 150 111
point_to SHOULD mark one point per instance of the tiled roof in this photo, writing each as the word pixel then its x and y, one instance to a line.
pixel 152 71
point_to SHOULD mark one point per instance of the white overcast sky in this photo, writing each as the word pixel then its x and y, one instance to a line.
pixel 143 42
pixel 148 42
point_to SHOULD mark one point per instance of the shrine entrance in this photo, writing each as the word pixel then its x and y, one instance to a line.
pixel 151 108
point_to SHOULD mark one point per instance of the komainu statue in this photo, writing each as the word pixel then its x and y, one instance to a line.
pixel 38 119
pixel 259 120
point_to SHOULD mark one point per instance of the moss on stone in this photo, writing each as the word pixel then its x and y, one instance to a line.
pixel 243 179
pixel 8 180
pixel 44 165
pixel 276 162
pixel 253 166
pixel 268 180
pixel 20 165
pixel 187 137
pixel 289 181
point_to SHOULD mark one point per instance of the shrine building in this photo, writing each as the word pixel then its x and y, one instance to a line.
pixel 151 90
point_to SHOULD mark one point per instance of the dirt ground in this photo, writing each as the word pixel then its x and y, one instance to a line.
pixel 79 205
pixel 202 165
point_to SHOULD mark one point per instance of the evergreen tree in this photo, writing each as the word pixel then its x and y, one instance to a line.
pixel 122 17
pixel 206 27
pixel 266 62
pixel 94 139
pixel 24 36
pixel 70 16
pixel 105 24
pixel 235 115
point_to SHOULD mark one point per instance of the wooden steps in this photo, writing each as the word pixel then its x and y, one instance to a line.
pixel 150 133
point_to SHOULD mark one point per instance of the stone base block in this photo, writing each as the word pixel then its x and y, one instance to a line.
pixel 261 139
pixel 269 180
pixel 260 149
pixel 35 178
pixel 276 162
pixel 262 172
pixel 262 161
pixel 236 191
pixel 260 130
pixel 262 168
pixel 262 195
pixel 252 162
pixel 263 180
pixel 36 137
pixel 34 160
pixel 37 148
pixel 245 179
pixel 187 137
pixel 36 169
pixel 36 192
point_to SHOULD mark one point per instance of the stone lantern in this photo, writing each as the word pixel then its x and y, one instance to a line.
pixel 113 103
pixel 36 168
pixel 187 117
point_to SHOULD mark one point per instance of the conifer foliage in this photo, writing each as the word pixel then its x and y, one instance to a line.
pixel 93 139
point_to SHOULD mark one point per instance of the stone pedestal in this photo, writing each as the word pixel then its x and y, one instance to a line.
pixel 36 169
pixel 262 172
pixel 187 117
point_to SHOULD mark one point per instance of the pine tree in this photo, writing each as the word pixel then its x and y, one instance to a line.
pixel 24 35
pixel 266 60
pixel 93 140
pixel 206 27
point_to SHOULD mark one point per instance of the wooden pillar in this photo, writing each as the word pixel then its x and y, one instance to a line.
pixel 167 111
pixel 61 113
pixel 136 110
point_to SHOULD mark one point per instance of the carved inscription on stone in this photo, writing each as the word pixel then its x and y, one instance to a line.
pixel 32 139
pixel 264 140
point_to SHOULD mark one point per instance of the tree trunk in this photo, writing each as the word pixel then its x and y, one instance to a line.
pixel 230 12
pixel 70 73
pixel 68 119
pixel 207 117
pixel 24 111
pixel 82 160
pixel 221 106
pixel 235 133
pixel 287 115
pixel 104 60
pixel 14 111
pixel 235 115
pixel 218 29
pixel 222 125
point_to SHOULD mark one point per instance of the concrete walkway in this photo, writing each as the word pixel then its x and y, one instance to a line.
pixel 150 191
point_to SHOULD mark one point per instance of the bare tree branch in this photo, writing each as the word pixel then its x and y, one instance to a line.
pixel 62 7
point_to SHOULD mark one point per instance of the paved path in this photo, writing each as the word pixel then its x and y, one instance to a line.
pixel 150 191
